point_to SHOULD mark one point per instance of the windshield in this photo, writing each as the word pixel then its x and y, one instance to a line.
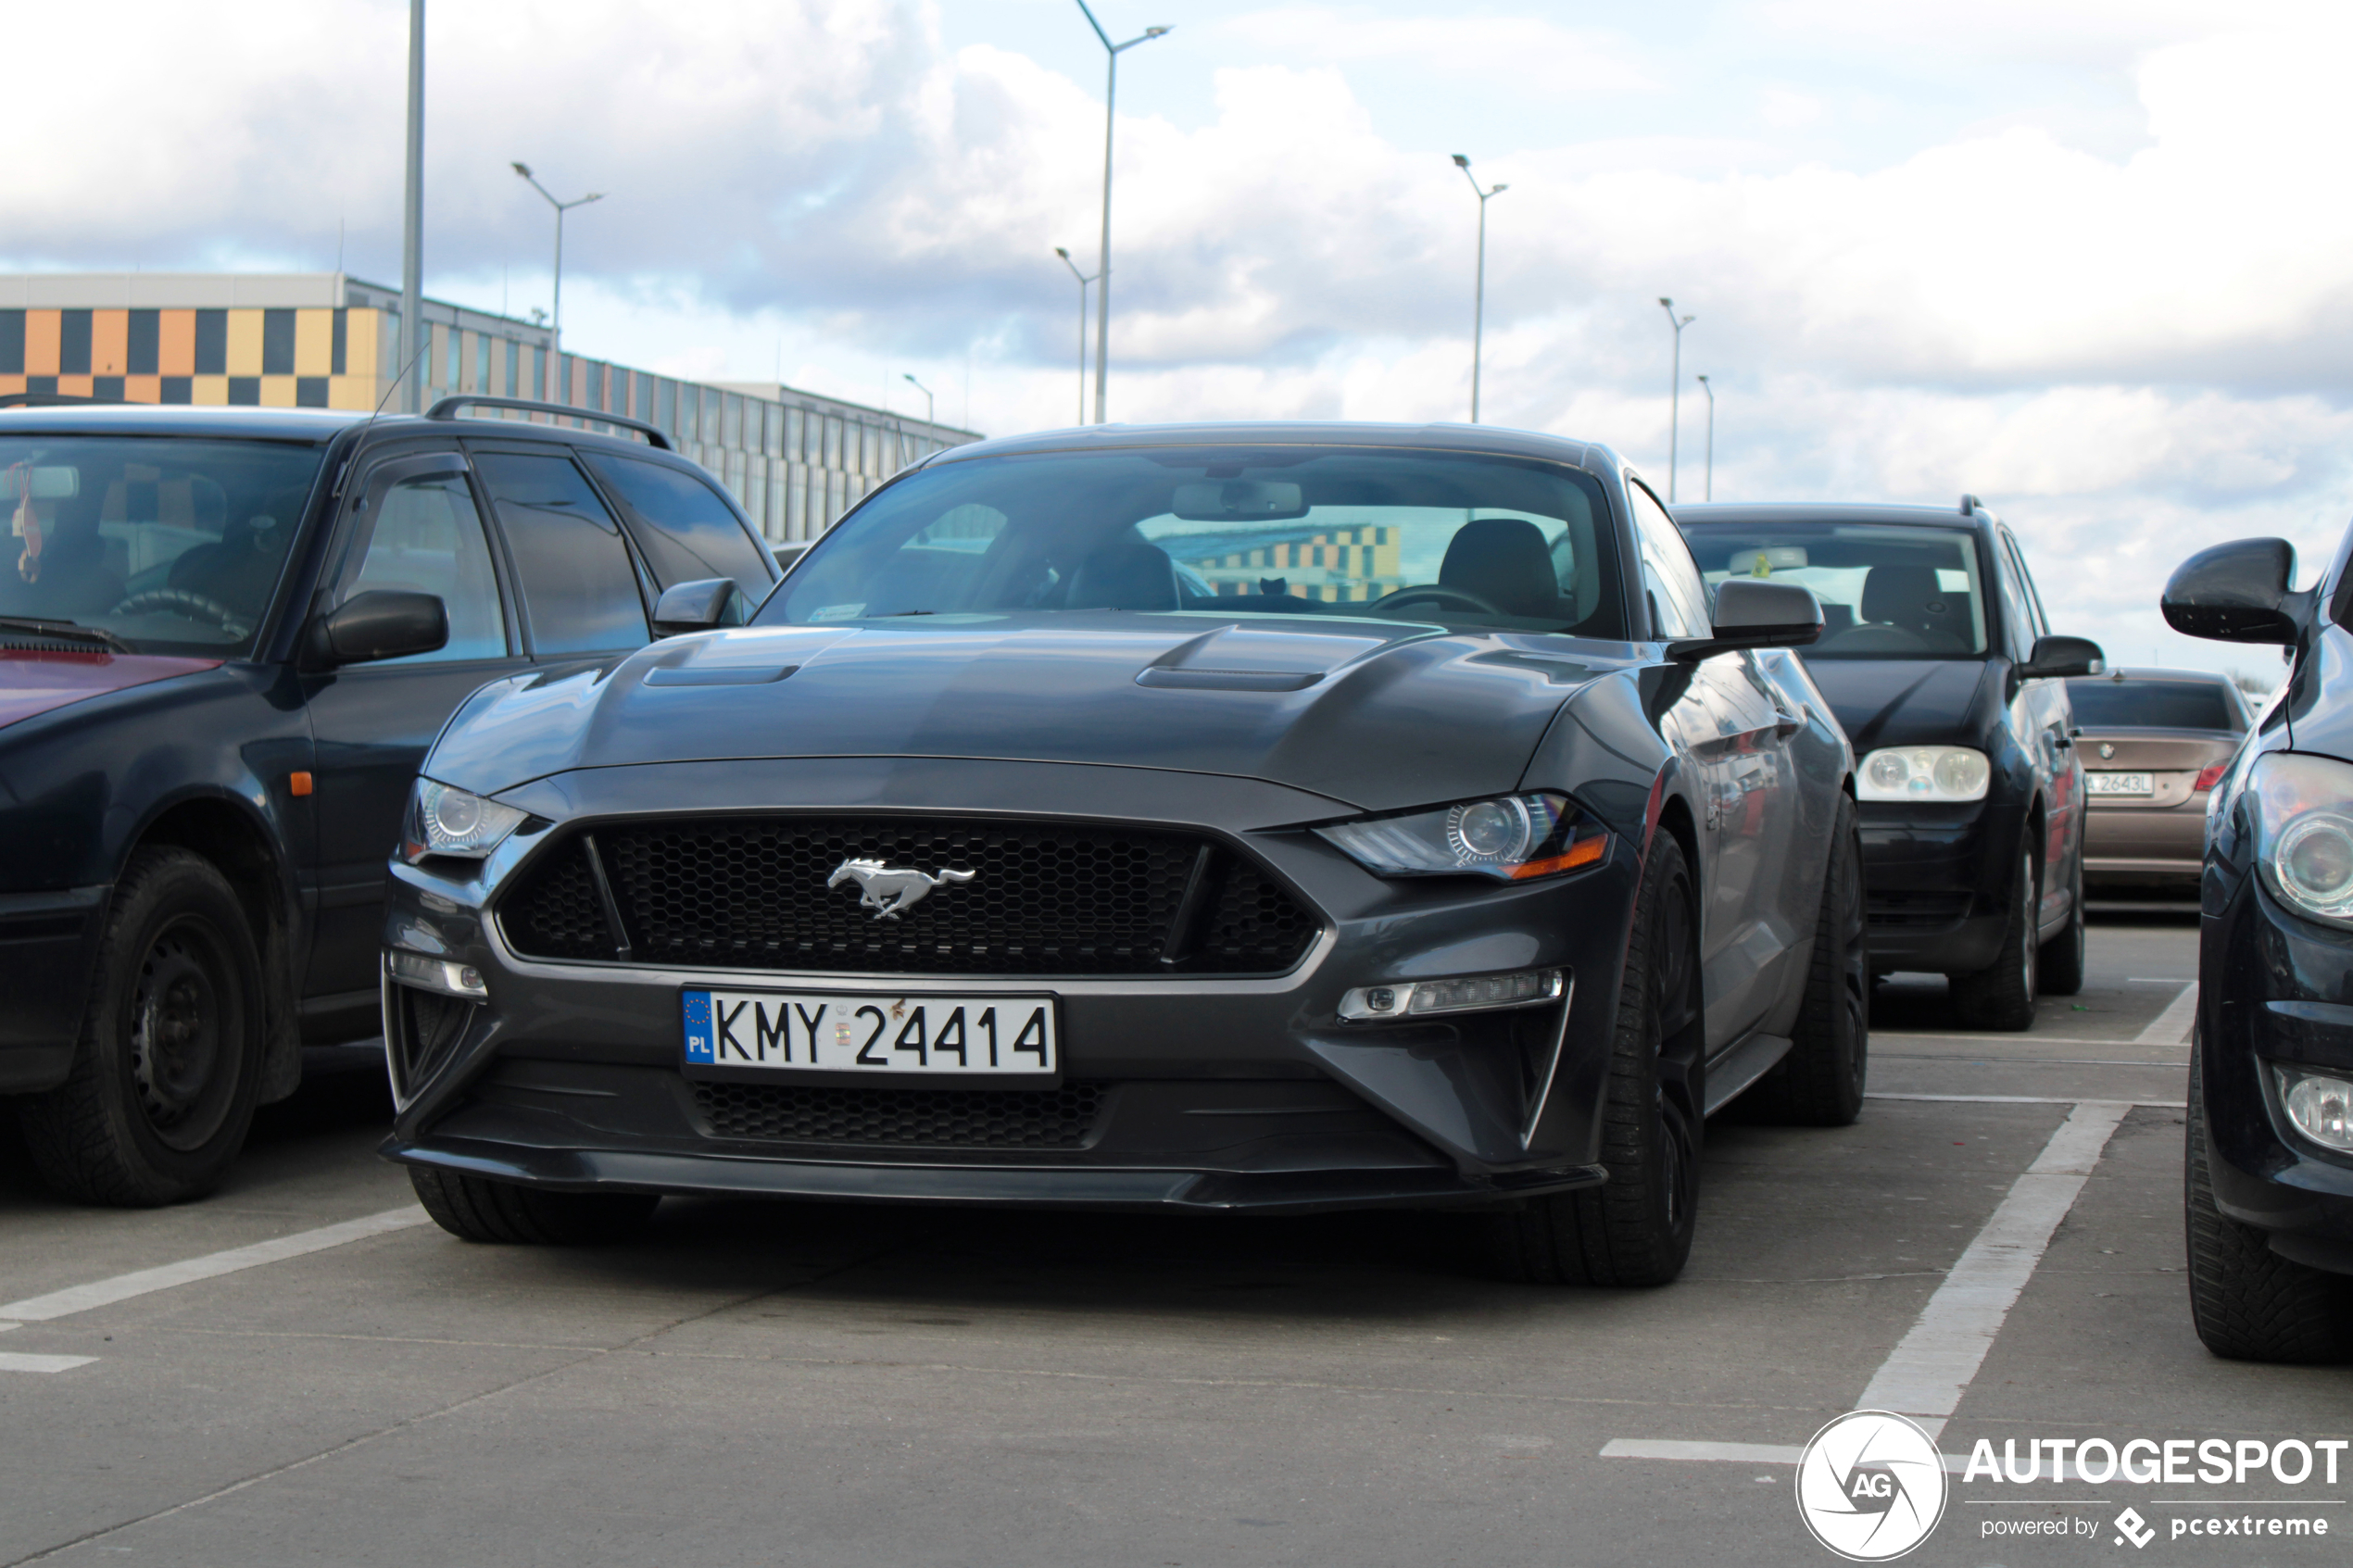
pixel 2106 703
pixel 1886 593
pixel 1402 535
pixel 173 546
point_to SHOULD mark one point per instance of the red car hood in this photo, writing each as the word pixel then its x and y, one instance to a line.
pixel 34 681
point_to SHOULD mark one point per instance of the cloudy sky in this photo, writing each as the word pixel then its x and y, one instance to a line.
pixel 2087 259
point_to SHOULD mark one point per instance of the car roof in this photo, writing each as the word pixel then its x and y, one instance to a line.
pixel 1827 511
pixel 2150 673
pixel 1497 439
pixel 316 425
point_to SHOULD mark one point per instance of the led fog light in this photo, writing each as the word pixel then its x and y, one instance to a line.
pixel 2320 1106
pixel 1419 998
pixel 436 974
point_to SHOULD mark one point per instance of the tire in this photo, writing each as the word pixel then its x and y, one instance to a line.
pixel 1636 1230
pixel 2058 968
pixel 166 1072
pixel 2250 1304
pixel 475 1208
pixel 1819 1083
pixel 2003 996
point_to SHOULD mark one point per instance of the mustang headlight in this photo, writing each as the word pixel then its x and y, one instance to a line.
pixel 1511 837
pixel 1933 775
pixel 2303 808
pixel 443 820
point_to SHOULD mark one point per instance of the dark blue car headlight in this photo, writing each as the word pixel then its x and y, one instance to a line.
pixel 1510 838
pixel 445 821
pixel 2303 810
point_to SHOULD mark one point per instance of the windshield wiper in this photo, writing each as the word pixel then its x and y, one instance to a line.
pixel 65 631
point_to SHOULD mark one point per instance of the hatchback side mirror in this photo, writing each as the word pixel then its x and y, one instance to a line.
pixel 1751 613
pixel 380 623
pixel 2063 656
pixel 703 604
pixel 2235 593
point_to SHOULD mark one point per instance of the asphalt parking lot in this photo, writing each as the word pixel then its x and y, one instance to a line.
pixel 844 1386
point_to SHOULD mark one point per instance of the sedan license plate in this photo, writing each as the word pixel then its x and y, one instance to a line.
pixel 2119 784
pixel 925 1037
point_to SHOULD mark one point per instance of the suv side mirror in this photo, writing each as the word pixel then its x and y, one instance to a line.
pixel 380 623
pixel 1751 613
pixel 703 604
pixel 2062 656
pixel 2235 593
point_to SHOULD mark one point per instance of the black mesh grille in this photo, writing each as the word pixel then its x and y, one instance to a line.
pixel 1041 899
pixel 1058 1118
pixel 554 911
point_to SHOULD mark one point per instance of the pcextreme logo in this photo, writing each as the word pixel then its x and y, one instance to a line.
pixel 1870 1485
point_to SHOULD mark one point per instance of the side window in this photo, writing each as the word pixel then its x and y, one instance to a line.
pixel 426 536
pixel 687 529
pixel 1670 577
pixel 2018 610
pixel 2026 579
pixel 579 588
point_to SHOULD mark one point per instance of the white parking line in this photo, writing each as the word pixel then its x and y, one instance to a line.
pixel 121 1287
pixel 2032 1100
pixel 2172 1027
pixel 18 1360
pixel 1730 1453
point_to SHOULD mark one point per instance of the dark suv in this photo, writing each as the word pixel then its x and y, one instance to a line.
pixel 1939 663
pixel 227 638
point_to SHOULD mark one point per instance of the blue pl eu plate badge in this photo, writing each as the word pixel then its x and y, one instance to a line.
pixel 698 1030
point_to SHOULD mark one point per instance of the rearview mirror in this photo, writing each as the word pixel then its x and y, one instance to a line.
pixel 1237 500
pixel 1754 612
pixel 2235 593
pixel 55 483
pixel 703 604
pixel 2063 656
pixel 380 623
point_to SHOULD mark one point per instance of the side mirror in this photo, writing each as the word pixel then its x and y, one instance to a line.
pixel 703 604
pixel 1752 613
pixel 2062 656
pixel 2235 593
pixel 380 623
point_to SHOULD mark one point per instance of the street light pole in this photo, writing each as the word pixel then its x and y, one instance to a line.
pixel 1674 392
pixel 1479 304
pixel 928 404
pixel 1083 281
pixel 413 218
pixel 1102 255
pixel 1708 494
pixel 555 315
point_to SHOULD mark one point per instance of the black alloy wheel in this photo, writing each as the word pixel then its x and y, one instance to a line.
pixel 167 1070
pixel 2249 1303
pixel 1637 1229
pixel 1819 1083
pixel 475 1208
pixel 2002 996
pixel 2058 970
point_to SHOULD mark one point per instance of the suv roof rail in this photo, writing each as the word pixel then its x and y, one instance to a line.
pixel 1970 504
pixel 447 409
pixel 52 400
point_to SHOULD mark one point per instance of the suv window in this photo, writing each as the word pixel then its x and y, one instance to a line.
pixel 1678 599
pixel 687 529
pixel 579 587
pixel 428 537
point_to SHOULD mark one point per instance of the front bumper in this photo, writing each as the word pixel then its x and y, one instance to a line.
pixel 1210 1092
pixel 48 942
pixel 2273 988
pixel 1937 881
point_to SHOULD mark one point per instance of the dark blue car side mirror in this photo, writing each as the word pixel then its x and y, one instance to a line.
pixel 380 623
pixel 2237 593
pixel 704 604
pixel 1751 613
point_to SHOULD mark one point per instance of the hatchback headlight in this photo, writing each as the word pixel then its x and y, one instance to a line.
pixel 443 820
pixel 2303 808
pixel 1510 838
pixel 1931 774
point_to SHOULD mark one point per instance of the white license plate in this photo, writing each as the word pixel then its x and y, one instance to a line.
pixel 2119 784
pixel 918 1036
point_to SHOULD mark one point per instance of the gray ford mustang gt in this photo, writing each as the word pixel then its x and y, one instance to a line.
pixel 1249 817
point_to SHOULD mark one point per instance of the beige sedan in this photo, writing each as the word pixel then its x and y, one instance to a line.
pixel 2153 743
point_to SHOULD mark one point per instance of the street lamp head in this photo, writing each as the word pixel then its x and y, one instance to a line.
pixel 1497 189
pixel 523 170
pixel 1666 302
pixel 1154 31
pixel 911 376
pixel 1060 252
pixel 1462 160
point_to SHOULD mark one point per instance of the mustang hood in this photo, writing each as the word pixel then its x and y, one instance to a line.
pixel 1902 701
pixel 32 683
pixel 1377 715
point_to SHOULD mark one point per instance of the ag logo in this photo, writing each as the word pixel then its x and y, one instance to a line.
pixel 1870 1485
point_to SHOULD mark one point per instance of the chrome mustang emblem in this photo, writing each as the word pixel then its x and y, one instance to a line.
pixel 890 891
